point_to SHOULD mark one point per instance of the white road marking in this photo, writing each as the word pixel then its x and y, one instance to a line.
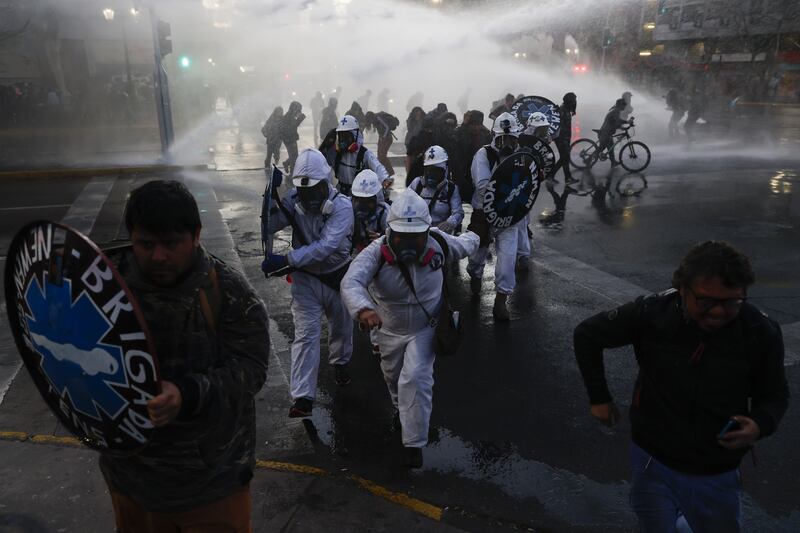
pixel 83 213
pixel 81 216
pixel 29 207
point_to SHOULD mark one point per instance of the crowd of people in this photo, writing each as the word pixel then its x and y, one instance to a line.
pixel 711 377
pixel 30 104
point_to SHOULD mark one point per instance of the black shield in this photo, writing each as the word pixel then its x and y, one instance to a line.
pixel 542 154
pixel 82 336
pixel 511 191
pixel 527 105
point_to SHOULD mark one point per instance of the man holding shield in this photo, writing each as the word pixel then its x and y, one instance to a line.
pixel 210 330
pixel 507 239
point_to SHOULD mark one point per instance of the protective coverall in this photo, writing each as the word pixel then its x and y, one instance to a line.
pixel 329 240
pixel 406 338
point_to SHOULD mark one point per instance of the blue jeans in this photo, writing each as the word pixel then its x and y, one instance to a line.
pixel 661 495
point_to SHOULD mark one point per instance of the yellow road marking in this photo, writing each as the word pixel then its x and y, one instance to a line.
pixel 291 467
pixel 418 506
pixel 13 435
pixel 52 439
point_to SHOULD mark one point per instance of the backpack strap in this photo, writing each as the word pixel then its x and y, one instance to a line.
pixel 360 159
pixel 211 302
pixel 492 156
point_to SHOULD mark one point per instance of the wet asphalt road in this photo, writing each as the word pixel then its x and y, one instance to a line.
pixel 512 443
pixel 511 435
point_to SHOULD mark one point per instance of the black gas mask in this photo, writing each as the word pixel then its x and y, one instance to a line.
pixel 408 248
pixel 313 198
pixel 506 144
pixel 433 176
pixel 346 141
pixel 363 208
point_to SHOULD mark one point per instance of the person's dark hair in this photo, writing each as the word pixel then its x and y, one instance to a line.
pixel 714 259
pixel 162 206
pixel 570 97
pixel 369 120
pixel 277 112
pixel 416 113
pixel 476 117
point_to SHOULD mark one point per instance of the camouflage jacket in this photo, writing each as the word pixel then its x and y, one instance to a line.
pixel 208 451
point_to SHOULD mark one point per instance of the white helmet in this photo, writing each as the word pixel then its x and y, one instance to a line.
pixel 347 123
pixel 537 120
pixel 366 184
pixel 435 155
pixel 506 124
pixel 310 168
pixel 409 213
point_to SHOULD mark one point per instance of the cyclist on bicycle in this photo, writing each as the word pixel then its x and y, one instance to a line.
pixel 611 124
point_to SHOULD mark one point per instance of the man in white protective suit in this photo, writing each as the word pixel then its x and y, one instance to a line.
pixel 377 291
pixel 322 226
pixel 505 143
pixel 439 191
pixel 351 157
pixel 371 216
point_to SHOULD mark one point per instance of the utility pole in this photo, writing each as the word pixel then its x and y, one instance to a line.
pixel 161 84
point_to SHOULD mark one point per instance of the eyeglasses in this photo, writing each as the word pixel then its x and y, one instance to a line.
pixel 706 303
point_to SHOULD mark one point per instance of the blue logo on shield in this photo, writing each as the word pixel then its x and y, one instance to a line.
pixel 67 335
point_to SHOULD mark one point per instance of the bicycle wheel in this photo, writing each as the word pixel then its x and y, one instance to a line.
pixel 583 153
pixel 634 156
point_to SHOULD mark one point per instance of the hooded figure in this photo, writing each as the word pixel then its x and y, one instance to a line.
pixel 322 226
pixel 377 292
pixel 348 156
pixel 507 240
pixel 291 121
pixel 563 140
pixel 439 191
pixel 329 119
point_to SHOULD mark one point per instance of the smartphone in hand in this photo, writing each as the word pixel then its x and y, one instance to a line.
pixel 731 425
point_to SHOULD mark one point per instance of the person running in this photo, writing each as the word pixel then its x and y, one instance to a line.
pixel 563 140
pixel 441 193
pixel 322 224
pixel 394 287
pixel 272 134
pixel 288 132
pixel 711 383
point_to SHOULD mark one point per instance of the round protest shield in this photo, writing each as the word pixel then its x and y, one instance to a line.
pixel 81 336
pixel 511 191
pixel 543 155
pixel 527 105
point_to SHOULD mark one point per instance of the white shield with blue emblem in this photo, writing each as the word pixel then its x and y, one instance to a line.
pixel 82 337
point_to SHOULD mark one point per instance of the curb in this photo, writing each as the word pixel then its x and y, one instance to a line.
pixel 94 171
pixel 418 506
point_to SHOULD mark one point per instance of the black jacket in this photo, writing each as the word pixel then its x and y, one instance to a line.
pixel 690 381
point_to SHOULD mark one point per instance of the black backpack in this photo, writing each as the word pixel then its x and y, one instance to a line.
pixel 391 121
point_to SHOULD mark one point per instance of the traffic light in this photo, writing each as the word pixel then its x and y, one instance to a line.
pixel 607 37
pixel 164 42
pixel 185 62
